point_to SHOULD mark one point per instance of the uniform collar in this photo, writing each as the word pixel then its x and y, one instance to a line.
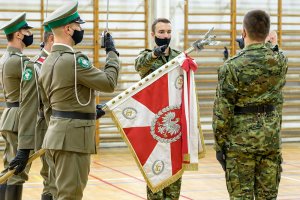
pixel 254 46
pixel 62 47
pixel 172 52
pixel 14 49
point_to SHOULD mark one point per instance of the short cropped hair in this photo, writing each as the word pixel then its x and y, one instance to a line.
pixel 257 24
pixel 163 20
pixel 10 37
pixel 46 36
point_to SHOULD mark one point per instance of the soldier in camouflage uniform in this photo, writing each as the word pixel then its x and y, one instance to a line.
pixel 147 62
pixel 247 114
pixel 12 65
pixel 68 82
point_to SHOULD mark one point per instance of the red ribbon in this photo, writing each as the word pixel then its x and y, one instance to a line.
pixel 188 64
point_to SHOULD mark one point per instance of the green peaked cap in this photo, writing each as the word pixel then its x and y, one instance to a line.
pixel 64 15
pixel 15 24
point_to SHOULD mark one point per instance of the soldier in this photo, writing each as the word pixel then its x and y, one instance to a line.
pixel 68 79
pixel 12 64
pixel 41 125
pixel 33 126
pixel 147 62
pixel 247 114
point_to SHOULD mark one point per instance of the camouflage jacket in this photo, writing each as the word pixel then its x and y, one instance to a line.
pixel 254 77
pixel 145 64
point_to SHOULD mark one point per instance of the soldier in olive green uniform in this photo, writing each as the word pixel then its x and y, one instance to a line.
pixel 147 62
pixel 12 64
pixel 41 125
pixel 33 126
pixel 68 80
pixel 247 114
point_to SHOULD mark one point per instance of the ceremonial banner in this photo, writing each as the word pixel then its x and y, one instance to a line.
pixel 158 120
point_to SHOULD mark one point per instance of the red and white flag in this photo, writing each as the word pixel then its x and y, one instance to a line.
pixel 158 119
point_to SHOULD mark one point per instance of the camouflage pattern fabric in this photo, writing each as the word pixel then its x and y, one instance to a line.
pixel 145 64
pixel 172 192
pixel 254 77
pixel 241 175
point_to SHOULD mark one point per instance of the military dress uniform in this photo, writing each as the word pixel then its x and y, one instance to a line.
pixel 247 121
pixel 145 64
pixel 11 65
pixel 34 125
pixel 68 79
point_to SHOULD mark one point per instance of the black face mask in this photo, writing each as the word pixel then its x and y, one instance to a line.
pixel 241 42
pixel 161 42
pixel 28 40
pixel 77 36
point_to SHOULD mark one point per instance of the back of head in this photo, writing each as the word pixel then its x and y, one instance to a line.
pixel 257 24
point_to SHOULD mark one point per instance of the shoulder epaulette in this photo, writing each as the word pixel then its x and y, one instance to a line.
pixel 236 56
pixel 149 50
pixel 17 54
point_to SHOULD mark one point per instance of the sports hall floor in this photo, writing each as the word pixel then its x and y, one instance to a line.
pixel 114 176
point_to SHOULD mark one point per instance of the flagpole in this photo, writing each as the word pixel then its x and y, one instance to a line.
pixel 196 46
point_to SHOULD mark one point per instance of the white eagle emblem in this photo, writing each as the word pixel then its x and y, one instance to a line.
pixel 170 125
pixel 166 125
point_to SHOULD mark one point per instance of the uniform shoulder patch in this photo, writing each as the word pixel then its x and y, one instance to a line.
pixel 27 74
pixel 84 62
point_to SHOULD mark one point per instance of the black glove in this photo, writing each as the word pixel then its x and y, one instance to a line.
pixel 159 51
pixel 20 161
pixel 221 158
pixel 99 111
pixel 109 44
pixel 42 45
pixel 241 42
pixel 225 53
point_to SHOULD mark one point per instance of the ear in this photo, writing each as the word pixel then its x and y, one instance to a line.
pixel 18 35
pixel 152 34
pixel 67 29
pixel 51 38
pixel 244 33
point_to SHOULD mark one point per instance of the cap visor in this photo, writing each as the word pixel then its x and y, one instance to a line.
pixel 26 26
pixel 79 21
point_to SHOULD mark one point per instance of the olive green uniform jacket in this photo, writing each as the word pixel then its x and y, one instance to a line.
pixel 30 103
pixel 58 75
pixel 11 66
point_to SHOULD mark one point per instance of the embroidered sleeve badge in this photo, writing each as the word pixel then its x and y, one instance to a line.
pixel 83 62
pixel 27 74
